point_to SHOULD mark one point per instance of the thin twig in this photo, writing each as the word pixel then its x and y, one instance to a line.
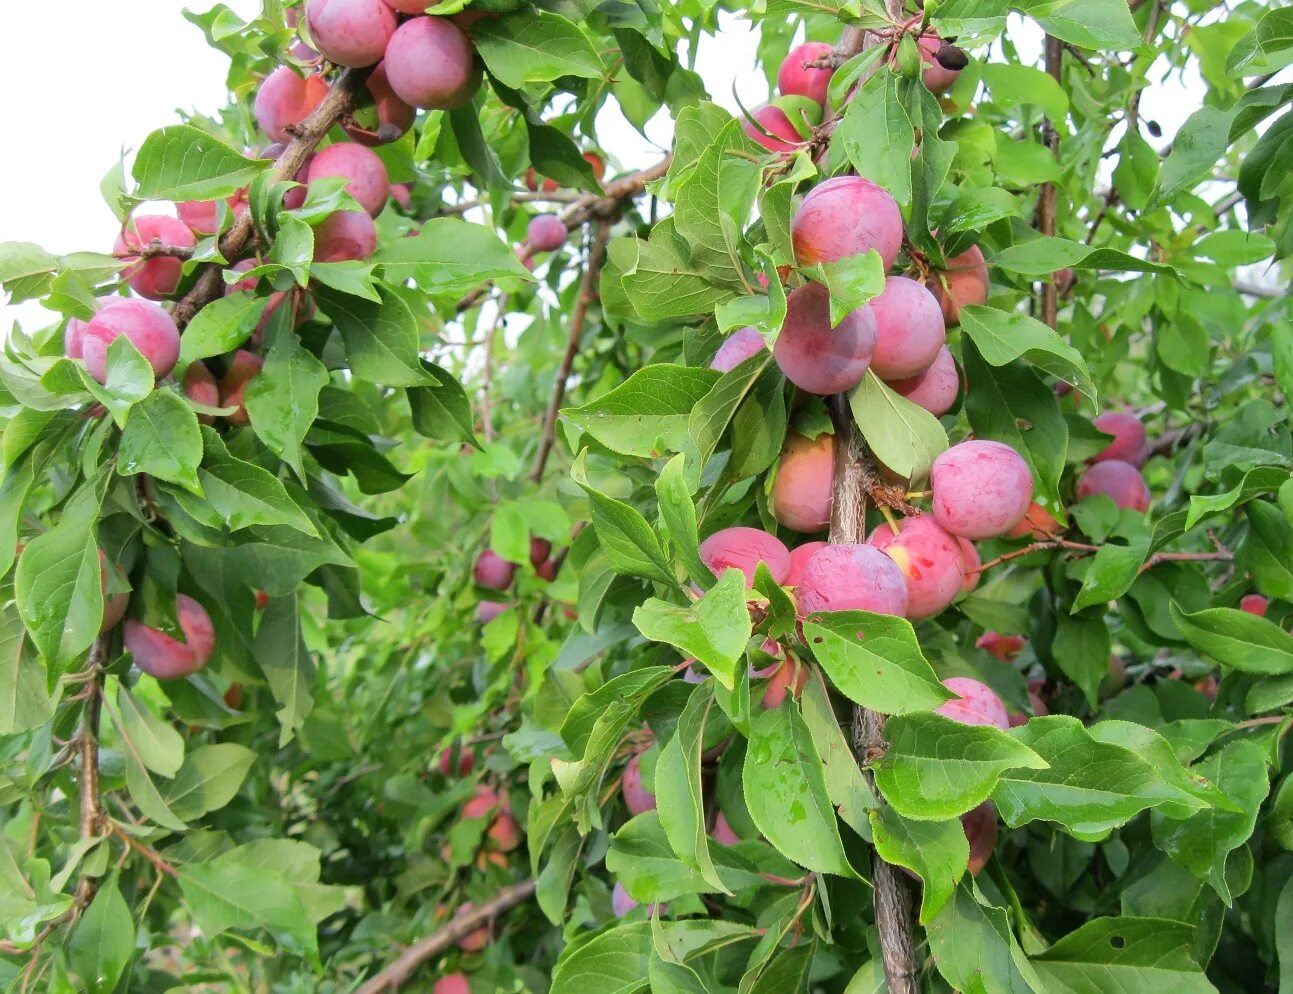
pixel 587 290
pixel 392 976
pixel 554 197
pixel 306 137
pixel 1046 202
pixel 487 374
pixel 148 852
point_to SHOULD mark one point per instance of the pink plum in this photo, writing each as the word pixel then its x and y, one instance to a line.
pixel 936 388
pixel 285 99
pixel 744 548
pixel 980 827
pixel 909 329
pixel 938 78
pixel 1003 647
pixel 487 611
pixel 964 282
pixel 637 798
pixel 394 116
pixel 350 33
pixel 154 278
pixel 150 329
pixel 431 63
pixel 1254 604
pixel 1129 443
pixel 929 558
pixel 982 489
pixel 794 80
pixel 802 491
pixel 970 556
pixel 736 348
pixel 843 217
pixel 343 236
pixel 722 832
pixel 816 357
pixel 780 135
pixel 364 172
pixel 799 557
pixel 852 578
pixel 233 385
pixel 545 233
pixel 165 657
pixel 451 983
pixel 1119 480
pixel 493 571
pixel 976 704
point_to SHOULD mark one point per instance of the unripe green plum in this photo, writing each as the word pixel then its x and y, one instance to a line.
pixel 431 63
pixel 976 704
pixel 816 357
pixel 936 388
pixel 1119 480
pixel 351 33
pixel 744 548
pixel 166 657
pixel 982 489
pixel 155 278
pixel 846 216
pixel 150 329
pixel 802 491
pixel 852 578
pixel 794 79
pixel 930 559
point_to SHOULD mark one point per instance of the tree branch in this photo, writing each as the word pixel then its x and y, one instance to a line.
pixel 587 290
pixel 306 137
pixel 1046 203
pixel 391 977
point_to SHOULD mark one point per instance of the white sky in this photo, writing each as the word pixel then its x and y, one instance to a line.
pixel 122 70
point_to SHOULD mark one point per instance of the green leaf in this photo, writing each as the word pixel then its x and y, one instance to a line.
pixel 1237 639
pixel 874 660
pixel 535 46
pixel 129 380
pixel 629 543
pixel 59 587
pixel 1266 551
pixel 714 629
pixel 902 435
pixel 678 791
pixel 289 669
pixel 158 746
pixel 1095 24
pixel 878 136
pixel 25 701
pixel 785 791
pixel 208 780
pixel 1256 482
pixel 1011 404
pixel 1202 140
pixel 648 414
pixel 282 400
pixel 660 281
pixel 104 941
pixel 138 781
pixel 936 768
pixel 1266 47
pixel 642 859
pixel 1043 256
pixel 1145 954
pixel 221 326
pixel 226 894
pixel 381 339
pixel 449 256
pixel 181 162
pixel 241 494
pixel 162 440
pixel 936 851
pixel 678 515
pixel 845 785
pixel 1004 336
pixel 442 411
pixel 1202 842
pixel 1113 570
pixel 976 951
pixel 1088 786
pixel 1081 650
pixel 1019 85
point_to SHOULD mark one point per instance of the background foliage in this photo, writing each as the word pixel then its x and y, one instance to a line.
pixel 282 821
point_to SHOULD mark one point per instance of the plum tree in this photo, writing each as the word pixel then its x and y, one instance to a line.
pixel 1118 480
pixel 1129 443
pixel 793 79
pixel 817 357
pixel 982 489
pixel 963 282
pixel 909 329
pixel 243 368
pixel 851 577
pixel 364 172
pixel 545 233
pixel 637 797
pixel 736 348
pixel 285 99
pixel 772 128
pixel 344 236
pixel 165 657
pixel 494 572
pixel 930 559
pixel 975 704
pixel 801 493
pixel 936 388
pixel 149 328
pixel 743 548
pixel 431 63
pixel 843 217
pixel 394 116
pixel 980 827
pixel 157 277
pixel 350 33
pixel 799 556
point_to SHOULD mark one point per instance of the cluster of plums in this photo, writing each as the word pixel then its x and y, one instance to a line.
pixel 786 122
pixel 493 572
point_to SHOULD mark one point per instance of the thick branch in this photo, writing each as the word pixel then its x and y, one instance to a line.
pixel 893 903
pixel 306 137
pixel 392 976
pixel 587 290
